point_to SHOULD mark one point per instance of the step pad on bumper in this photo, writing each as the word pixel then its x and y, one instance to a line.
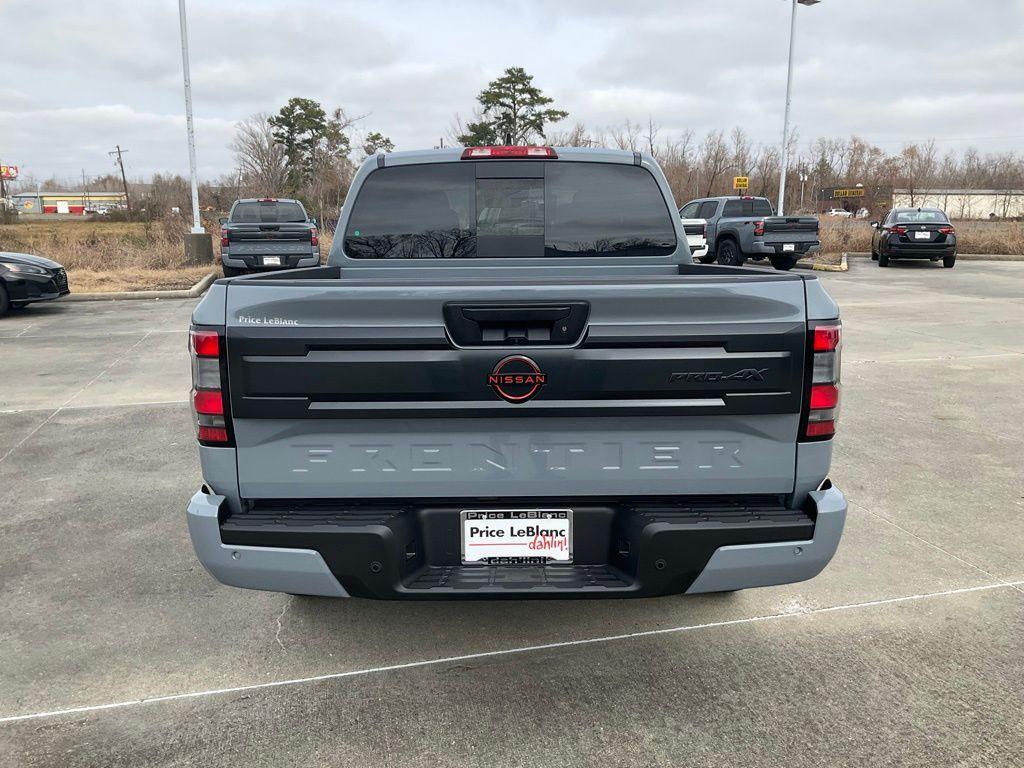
pixel 519 578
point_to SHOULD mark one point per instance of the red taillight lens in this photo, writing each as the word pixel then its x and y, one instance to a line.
pixel 758 228
pixel 825 428
pixel 223 238
pixel 822 406
pixel 898 230
pixel 208 403
pixel 314 237
pixel 826 337
pixel 947 231
pixel 824 396
pixel 213 434
pixel 485 153
pixel 206 343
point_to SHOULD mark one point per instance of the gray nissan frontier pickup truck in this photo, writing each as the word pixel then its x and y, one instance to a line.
pixel 510 380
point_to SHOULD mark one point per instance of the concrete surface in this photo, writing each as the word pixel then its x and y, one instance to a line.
pixel 907 650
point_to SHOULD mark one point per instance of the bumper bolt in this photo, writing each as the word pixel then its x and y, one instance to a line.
pixel 660 564
pixel 376 567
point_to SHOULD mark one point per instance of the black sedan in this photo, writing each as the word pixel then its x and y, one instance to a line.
pixel 914 233
pixel 25 278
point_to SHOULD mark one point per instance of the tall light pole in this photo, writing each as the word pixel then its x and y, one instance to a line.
pixel 197 227
pixel 789 91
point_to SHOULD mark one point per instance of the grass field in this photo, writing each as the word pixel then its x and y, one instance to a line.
pixel 109 256
pixel 128 256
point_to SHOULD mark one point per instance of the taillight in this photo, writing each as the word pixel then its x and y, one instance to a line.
pixel 223 238
pixel 898 230
pixel 208 404
pixel 947 231
pixel 314 237
pixel 822 406
pixel 759 228
pixel 497 153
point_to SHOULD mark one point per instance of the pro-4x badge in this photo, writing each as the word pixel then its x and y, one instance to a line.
pixel 744 374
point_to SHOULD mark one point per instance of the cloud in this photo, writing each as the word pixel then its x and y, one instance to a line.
pixel 81 77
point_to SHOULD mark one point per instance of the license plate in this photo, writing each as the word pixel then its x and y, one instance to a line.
pixel 272 261
pixel 516 536
pixel 789 247
pixel 923 235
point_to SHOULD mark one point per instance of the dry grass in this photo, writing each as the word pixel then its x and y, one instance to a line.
pixel 996 237
pixel 109 256
pixel 101 281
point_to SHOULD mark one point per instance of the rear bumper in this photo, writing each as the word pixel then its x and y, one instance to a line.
pixel 912 251
pixel 620 549
pixel 288 261
pixel 776 249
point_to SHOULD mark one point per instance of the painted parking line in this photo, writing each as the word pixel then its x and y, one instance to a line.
pixel 93 406
pixel 501 652
pixel 67 402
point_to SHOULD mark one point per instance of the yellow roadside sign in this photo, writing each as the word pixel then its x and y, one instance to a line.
pixel 740 182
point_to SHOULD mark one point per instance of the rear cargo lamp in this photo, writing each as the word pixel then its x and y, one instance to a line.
pixel 314 237
pixel 506 153
pixel 822 396
pixel 208 406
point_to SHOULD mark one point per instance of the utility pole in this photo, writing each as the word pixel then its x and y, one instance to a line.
pixel 124 179
pixel 85 193
pixel 197 227
pixel 789 91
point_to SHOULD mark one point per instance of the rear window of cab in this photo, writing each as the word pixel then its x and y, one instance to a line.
pixel 267 212
pixel 509 209
pixel 920 217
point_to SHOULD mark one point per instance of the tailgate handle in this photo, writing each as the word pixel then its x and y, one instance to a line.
pixel 516 324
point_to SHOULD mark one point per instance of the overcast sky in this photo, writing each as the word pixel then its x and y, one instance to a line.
pixel 80 77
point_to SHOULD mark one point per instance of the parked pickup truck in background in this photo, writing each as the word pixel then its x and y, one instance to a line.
pixel 510 380
pixel 268 233
pixel 741 228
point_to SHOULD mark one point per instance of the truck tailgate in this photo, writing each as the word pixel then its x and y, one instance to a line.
pixel 790 229
pixel 672 385
pixel 268 238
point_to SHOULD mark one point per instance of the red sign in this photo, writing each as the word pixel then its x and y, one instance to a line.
pixel 9 172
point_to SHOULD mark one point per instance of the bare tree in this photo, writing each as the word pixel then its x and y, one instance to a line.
pixel 261 159
pixel 714 159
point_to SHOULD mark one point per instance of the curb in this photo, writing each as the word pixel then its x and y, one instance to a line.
pixel 963 256
pixel 191 293
pixel 842 266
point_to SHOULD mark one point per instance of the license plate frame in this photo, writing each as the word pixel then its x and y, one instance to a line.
pixel 556 549
pixel 789 246
pixel 272 261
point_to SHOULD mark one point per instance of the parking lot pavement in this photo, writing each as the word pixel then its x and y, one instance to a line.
pixel 906 651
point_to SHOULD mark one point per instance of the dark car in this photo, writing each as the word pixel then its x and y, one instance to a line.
pixel 914 233
pixel 25 278
pixel 268 234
